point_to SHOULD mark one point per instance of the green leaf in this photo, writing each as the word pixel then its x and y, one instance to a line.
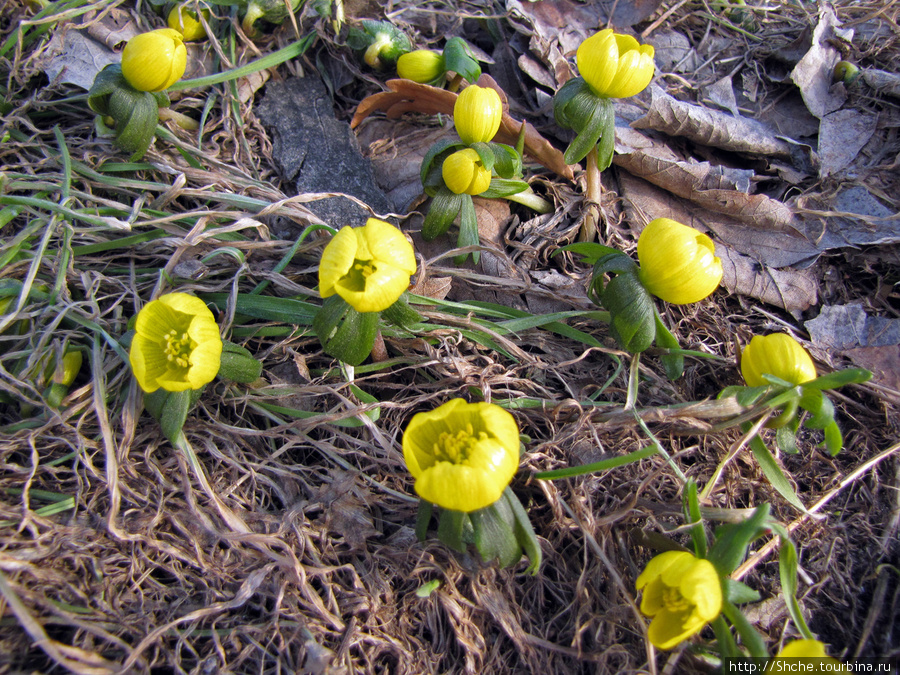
pixel 786 439
pixel 451 529
pixel 733 540
pixel 747 396
pixel 672 362
pixel 834 441
pixel 562 113
pixel 523 530
pixel 774 473
pixel 443 211
pixel 136 115
pixel 426 589
pixel 105 82
pixel 691 506
pixel 600 123
pixel 750 637
pixel 507 161
pixel 840 378
pixel 494 536
pixel 738 592
pixel 468 231
pixel 504 187
pixel 632 312
pixel 170 408
pixel 345 334
pixel 602 465
pixel 819 406
pixel 485 154
pixel 401 314
pixel 433 152
pixel 423 517
pixel 590 252
pixel 458 58
pixel 787 569
pixel 266 307
pixel 238 364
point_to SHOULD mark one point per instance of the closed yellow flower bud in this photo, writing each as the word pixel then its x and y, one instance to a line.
pixel 176 346
pixel 678 263
pixel 369 267
pixel 615 65
pixel 154 61
pixel 778 354
pixel 808 649
pixel 682 594
pixel 185 21
pixel 462 455
pixel 421 65
pixel 477 114
pixel 463 172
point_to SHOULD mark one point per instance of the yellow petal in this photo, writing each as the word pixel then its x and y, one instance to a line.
pixel 337 259
pixel 477 114
pixel 659 564
pixel 463 173
pixel 803 649
pixel 148 362
pixel 669 629
pixel 777 354
pixel 615 65
pixel 388 244
pixel 421 65
pixel 155 60
pixel 382 288
pixel 701 586
pixel 677 263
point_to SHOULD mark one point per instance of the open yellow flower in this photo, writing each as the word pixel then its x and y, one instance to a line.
pixel 462 455
pixel 682 594
pixel 777 354
pixel 176 345
pixel 154 61
pixel 678 263
pixel 369 266
pixel 477 114
pixel 615 65
pixel 464 172
pixel 421 65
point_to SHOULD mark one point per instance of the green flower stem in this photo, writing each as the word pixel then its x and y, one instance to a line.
pixel 750 637
pixel 532 201
pixel 727 646
pixel 590 226
pixel 735 449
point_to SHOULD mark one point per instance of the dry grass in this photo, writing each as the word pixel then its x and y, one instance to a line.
pixel 114 559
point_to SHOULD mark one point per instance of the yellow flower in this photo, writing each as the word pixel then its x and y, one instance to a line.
pixel 185 21
pixel 154 61
pixel 463 172
pixel 777 354
pixel 176 344
pixel 615 65
pixel 678 263
pixel 369 266
pixel 682 594
pixel 462 455
pixel 808 649
pixel 421 65
pixel 477 114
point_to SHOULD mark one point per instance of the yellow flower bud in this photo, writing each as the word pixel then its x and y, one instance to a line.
pixel 369 266
pixel 678 263
pixel 462 455
pixel 615 65
pixel 154 61
pixel 176 345
pixel 845 72
pixel 807 649
pixel 185 21
pixel 421 65
pixel 67 368
pixel 463 172
pixel 682 594
pixel 477 114
pixel 778 354
pixel 382 42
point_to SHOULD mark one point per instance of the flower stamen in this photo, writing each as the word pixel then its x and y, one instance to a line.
pixel 456 448
pixel 178 349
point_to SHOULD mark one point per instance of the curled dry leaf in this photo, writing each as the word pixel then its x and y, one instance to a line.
pixel 710 127
pixel 792 290
pixel 408 96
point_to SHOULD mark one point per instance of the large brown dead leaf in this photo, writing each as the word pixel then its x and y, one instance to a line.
pixel 408 96
pixel 710 127
pixel 813 74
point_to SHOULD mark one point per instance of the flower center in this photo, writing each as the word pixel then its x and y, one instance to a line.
pixel 456 447
pixel 178 349
pixel 355 279
pixel 674 600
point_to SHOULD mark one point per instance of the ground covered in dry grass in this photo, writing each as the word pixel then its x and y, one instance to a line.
pixel 290 546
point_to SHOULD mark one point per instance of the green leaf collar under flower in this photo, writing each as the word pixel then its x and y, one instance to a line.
pixel 155 60
pixel 462 455
pixel 615 65
pixel 369 267
pixel 682 594
pixel 777 354
pixel 176 345
pixel 678 263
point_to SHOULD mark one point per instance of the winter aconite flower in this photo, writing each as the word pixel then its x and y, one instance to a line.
pixel 615 65
pixel 682 594
pixel 154 61
pixel 421 65
pixel 369 267
pixel 777 354
pixel 176 345
pixel 185 21
pixel 804 649
pixel 463 172
pixel 477 114
pixel 678 263
pixel 462 455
